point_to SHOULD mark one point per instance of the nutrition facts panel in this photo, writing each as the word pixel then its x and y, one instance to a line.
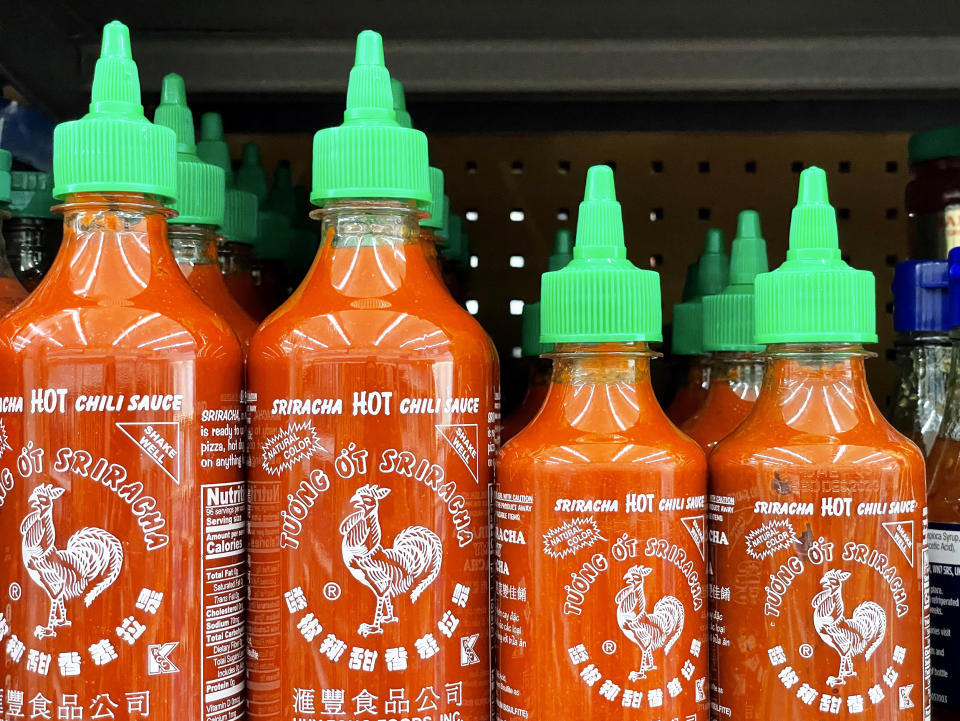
pixel 223 570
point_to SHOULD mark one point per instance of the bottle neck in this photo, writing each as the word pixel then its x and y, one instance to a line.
pixel 950 426
pixel 114 246
pixel 234 257
pixel 601 387
pixel 819 388
pixel 370 249
pixel 193 244
pixel 25 238
pixel 6 270
pixel 741 372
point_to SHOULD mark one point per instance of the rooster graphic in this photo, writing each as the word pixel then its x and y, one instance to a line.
pixel 650 631
pixel 860 634
pixel 412 563
pixel 89 564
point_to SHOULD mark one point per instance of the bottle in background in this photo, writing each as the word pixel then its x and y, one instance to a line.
pixel 921 319
pixel 932 196
pixel 736 366
pixel 33 232
pixel 283 199
pixel 601 534
pixel 12 291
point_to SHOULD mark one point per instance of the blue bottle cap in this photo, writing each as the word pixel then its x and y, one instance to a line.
pixel 920 298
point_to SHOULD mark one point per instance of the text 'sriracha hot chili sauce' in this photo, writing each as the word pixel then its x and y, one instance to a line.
pixel 736 367
pixel 374 424
pixel 200 202
pixel 239 229
pixel 943 475
pixel 600 542
pixel 539 365
pixel 708 276
pixel 12 291
pixel 122 510
pixel 818 517
pixel 33 232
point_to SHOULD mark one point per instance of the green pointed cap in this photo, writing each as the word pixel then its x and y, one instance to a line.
pixel 687 335
pixel 281 197
pixel 691 289
pixel 239 206
pixel 114 148
pixel 31 194
pixel 6 162
pixel 713 268
pixel 200 185
pixel 273 228
pixel 370 155
pixel 562 250
pixel 436 206
pixel 728 317
pixel 530 345
pixel 400 103
pixel 444 230
pixel 815 297
pixel 250 175
pixel 600 296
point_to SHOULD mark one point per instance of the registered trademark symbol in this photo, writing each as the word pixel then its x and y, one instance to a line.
pixel 806 650
pixel 331 591
pixel 609 647
pixel 15 592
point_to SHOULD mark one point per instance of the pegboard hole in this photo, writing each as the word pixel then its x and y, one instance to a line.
pixel 796 167
pixel 471 167
pixel 516 167
pixel 844 166
pixel 516 307
pixel 517 215
pixel 892 166
pixel 563 215
pixel 703 166
pixel 517 352
pixel 471 216
pixel 656 166
pixel 891 260
pixel 656 260
pixel 703 213
pixel 473 306
pixel 474 261
pixel 517 261
pixel 750 166
pixel 563 167
pixel 843 213
pixel 892 213
pixel 656 214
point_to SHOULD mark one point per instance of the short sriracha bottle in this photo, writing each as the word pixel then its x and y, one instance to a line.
pixel 374 404
pixel 200 206
pixel 123 502
pixel 600 508
pixel 12 291
pixel 818 517
pixel 736 368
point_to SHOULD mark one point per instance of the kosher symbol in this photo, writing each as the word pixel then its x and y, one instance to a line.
pixel 158 658
pixel 88 564
pixel 468 653
pixel 409 566
pixel 849 637
pixel 659 629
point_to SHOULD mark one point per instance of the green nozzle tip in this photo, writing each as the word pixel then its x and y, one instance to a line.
pixel 250 155
pixel 748 225
pixel 174 113
pixel 173 91
pixel 691 287
pixel 713 268
pixel 116 41
pixel 115 77
pixel 562 249
pixel 369 93
pixel 400 103
pixel 714 241
pixel 815 297
pixel 250 175
pixel 748 256
pixel 600 296
pixel 436 207
pixel 369 48
pixel 211 126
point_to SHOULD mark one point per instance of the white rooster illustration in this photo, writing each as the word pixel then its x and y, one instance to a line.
pixel 659 629
pixel 412 563
pixel 91 555
pixel 860 634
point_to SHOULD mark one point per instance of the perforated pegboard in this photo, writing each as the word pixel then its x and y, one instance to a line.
pixel 518 189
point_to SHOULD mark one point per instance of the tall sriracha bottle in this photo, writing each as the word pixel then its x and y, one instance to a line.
pixel 374 427
pixel 122 509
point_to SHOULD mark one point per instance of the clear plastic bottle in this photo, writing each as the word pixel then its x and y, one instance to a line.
pixel 373 443
pixel 33 232
pixel 921 311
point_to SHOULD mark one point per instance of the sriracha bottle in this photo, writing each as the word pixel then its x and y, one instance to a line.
pixel 11 290
pixel 736 368
pixel 123 498
pixel 601 534
pixel 818 515
pixel 193 232
pixel 373 442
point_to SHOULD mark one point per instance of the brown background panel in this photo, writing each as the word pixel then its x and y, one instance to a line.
pixel 672 186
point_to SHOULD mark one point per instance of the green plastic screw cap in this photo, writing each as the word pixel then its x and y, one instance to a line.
pixel 934 144
pixel 708 276
pixel 437 205
pixel 815 297
pixel 31 194
pixel 114 148
pixel 273 228
pixel 239 206
pixel 728 317
pixel 530 319
pixel 400 103
pixel 370 155
pixel 6 162
pixel 713 268
pixel 562 250
pixel 600 296
pixel 200 185
pixel 456 246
